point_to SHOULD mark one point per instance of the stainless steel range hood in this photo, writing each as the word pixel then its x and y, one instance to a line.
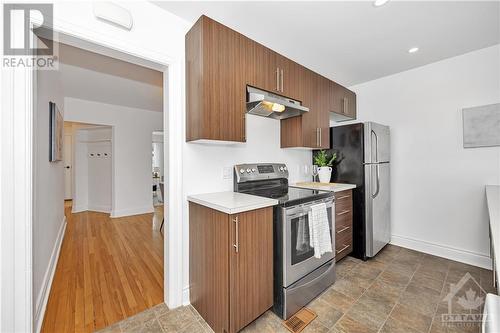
pixel 266 104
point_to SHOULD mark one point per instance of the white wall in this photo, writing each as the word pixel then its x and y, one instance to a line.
pixel 48 214
pixel 437 186
pixel 204 164
pixel 92 175
pixel 132 128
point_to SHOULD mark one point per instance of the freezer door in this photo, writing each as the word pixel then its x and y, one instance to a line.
pixel 378 207
pixel 377 143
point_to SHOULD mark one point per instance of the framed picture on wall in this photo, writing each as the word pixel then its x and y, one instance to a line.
pixel 56 124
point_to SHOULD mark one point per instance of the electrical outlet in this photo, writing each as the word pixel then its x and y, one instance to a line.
pixel 227 173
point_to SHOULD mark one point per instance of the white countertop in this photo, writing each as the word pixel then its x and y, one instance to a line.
pixel 332 187
pixel 231 202
pixel 493 200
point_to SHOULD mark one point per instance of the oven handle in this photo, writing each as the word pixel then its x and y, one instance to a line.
pixel 305 208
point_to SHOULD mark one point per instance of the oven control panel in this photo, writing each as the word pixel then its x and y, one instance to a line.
pixel 259 171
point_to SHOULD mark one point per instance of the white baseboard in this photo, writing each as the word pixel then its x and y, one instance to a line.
pixel 448 252
pixel 132 211
pixel 43 297
pixel 78 209
pixel 99 208
pixel 185 296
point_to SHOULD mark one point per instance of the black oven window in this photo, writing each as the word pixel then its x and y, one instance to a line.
pixel 301 249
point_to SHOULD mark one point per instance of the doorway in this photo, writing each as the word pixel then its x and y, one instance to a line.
pixel 111 261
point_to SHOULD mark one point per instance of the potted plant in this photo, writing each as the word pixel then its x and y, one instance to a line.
pixel 324 162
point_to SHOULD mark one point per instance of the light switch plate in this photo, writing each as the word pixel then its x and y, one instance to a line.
pixel 227 172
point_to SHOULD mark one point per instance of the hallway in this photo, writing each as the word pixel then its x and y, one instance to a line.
pixel 108 270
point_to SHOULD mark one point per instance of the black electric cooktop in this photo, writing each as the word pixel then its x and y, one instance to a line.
pixel 289 196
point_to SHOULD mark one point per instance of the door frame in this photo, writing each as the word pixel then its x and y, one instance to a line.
pixel 17 177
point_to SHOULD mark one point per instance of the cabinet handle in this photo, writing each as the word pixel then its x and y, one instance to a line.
pixel 281 80
pixel 343 249
pixel 236 245
pixel 342 230
pixel 317 137
pixel 320 135
pixel 277 79
pixel 343 212
pixel 344 105
pixel 243 120
pixel 343 197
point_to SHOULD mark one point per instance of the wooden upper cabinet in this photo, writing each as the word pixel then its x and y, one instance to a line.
pixel 221 62
pixel 216 82
pixel 342 102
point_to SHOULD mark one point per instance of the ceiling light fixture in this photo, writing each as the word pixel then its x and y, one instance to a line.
pixel 413 50
pixel 378 3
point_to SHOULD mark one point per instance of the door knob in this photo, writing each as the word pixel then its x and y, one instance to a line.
pixel 67 167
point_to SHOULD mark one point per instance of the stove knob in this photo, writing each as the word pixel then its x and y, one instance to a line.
pixel 281 169
pixel 242 170
pixel 284 168
pixel 253 170
pixel 248 170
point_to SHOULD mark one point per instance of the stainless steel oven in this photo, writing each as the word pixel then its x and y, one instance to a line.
pixel 299 257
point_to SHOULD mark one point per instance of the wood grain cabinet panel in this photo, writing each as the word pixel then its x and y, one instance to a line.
pixel 230 266
pixel 342 102
pixel 216 71
pixel 343 224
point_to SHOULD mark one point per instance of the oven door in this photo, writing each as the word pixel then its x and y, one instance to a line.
pixel 299 257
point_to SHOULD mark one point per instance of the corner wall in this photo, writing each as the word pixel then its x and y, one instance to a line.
pixel 132 130
pixel 437 186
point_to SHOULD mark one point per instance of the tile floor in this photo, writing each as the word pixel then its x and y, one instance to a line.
pixel 399 291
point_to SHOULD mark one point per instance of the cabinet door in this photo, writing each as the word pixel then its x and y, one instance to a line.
pixel 323 112
pixel 251 266
pixel 264 69
pixel 309 92
pixel 342 101
pixel 290 77
pixel 209 265
pixel 224 81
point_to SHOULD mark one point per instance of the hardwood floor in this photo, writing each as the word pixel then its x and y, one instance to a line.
pixel 108 270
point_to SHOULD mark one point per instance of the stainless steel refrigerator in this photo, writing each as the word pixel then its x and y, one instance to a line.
pixel 365 152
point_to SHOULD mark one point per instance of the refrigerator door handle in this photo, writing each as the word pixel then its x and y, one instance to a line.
pixel 376 145
pixel 374 195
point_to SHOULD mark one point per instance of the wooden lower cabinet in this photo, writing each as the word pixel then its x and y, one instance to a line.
pixel 343 224
pixel 230 266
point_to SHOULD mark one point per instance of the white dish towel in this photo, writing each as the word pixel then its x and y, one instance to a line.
pixel 319 230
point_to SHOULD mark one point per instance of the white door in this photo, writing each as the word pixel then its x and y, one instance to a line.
pixel 67 157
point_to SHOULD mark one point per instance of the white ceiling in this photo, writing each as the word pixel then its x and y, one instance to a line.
pixel 95 77
pixel 354 42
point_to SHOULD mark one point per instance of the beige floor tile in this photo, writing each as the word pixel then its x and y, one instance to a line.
pixel 176 320
pixel 422 279
pixel 394 326
pixel 371 317
pixel 327 314
pixel 349 287
pixel 421 299
pixel 267 323
pixel 137 320
pixel 394 278
pixel 315 327
pixel 411 318
pixel 406 269
pixel 338 300
pixel 348 325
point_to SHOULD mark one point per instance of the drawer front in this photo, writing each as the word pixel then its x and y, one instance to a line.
pixel 343 244
pixel 343 218
pixel 343 201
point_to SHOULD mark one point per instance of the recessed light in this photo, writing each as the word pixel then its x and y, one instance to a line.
pixel 413 50
pixel 378 3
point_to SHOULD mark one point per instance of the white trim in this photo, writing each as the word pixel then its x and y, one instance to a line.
pixel 185 296
pixel 448 252
pixel 41 302
pixel 131 211
pixel 100 208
